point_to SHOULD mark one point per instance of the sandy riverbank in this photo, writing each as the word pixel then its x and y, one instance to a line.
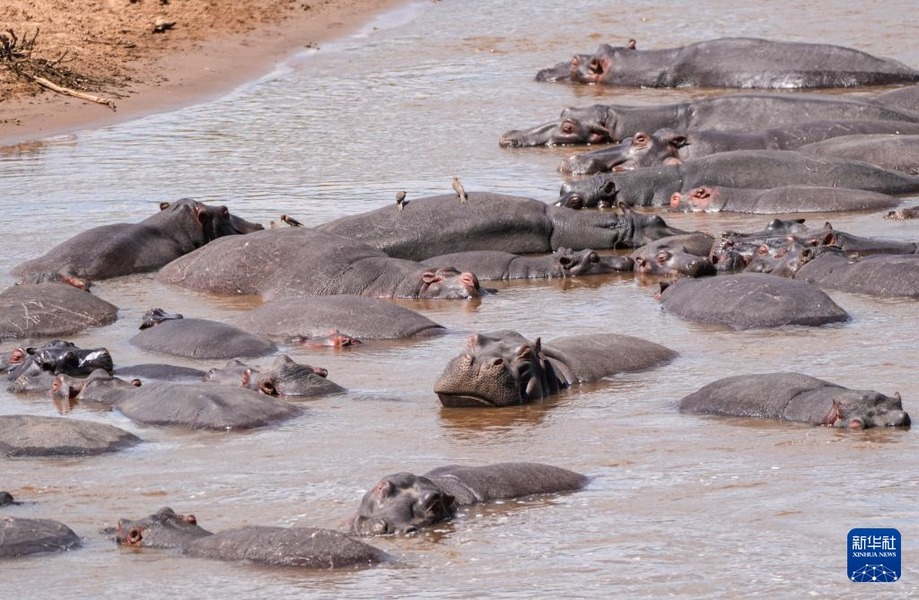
pixel 110 50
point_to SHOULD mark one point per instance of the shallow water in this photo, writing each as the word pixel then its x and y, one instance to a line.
pixel 678 505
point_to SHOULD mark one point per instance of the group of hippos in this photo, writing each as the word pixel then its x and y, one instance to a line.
pixel 759 153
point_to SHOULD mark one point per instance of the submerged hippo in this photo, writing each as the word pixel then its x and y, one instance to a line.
pixel 903 213
pixel 305 262
pixel 27 435
pixel 439 225
pixel 906 98
pixel 404 503
pixel 669 145
pixel 885 275
pixel 304 547
pixel 126 248
pixel 283 377
pixel 504 368
pixel 51 309
pixel 751 301
pixel 888 151
pixel 309 320
pixel 777 200
pixel 564 263
pixel 22 537
pixel 741 168
pixel 605 123
pixel 201 338
pixel 733 63
pixel 797 397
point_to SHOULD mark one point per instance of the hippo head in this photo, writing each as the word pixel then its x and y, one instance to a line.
pixel 641 150
pixel 162 529
pixel 402 503
pixel 577 263
pixel 155 316
pixel 700 199
pixel 595 68
pixel 864 409
pixel 449 284
pixel 671 262
pixel 599 191
pixel 575 126
pixel 211 221
pixel 285 377
pixel 498 369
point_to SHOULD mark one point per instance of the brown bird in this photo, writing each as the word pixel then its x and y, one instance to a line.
pixel 291 221
pixel 458 188
pixel 400 199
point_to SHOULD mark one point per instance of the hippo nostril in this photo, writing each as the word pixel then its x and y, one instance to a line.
pixel 498 362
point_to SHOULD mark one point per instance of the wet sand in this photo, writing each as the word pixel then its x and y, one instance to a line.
pixel 189 72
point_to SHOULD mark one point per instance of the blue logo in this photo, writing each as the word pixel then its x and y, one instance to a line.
pixel 874 555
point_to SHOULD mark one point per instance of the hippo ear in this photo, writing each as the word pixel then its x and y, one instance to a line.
pixel 623 207
pixel 762 249
pixel 632 45
pixel 246 378
pixel 430 277
pixel 829 239
pixel 165 205
pixel 537 346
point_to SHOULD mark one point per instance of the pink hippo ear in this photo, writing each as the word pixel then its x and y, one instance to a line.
pixel 246 378
pixel 165 205
pixel 662 257
pixel 430 277
pixel 632 45
pixel 834 415
pixel 675 199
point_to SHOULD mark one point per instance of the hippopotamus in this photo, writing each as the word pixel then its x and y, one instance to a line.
pixel 740 168
pixel 201 338
pixel 562 264
pixel 903 213
pixel 662 260
pixel 777 200
pixel 670 146
pixel 126 248
pixel 503 368
pixel 750 301
pixel 202 406
pixel 797 397
pixel 100 390
pixel 21 537
pixel 605 123
pixel 351 317
pixel 784 261
pixel 885 150
pixel 28 435
pixel 305 547
pixel 284 377
pixel 734 63
pixel 403 503
pixel 52 358
pixel 885 275
pixel 905 98
pixel 51 309
pixel 159 372
pixel 307 262
pixel 6 499
pixel 439 225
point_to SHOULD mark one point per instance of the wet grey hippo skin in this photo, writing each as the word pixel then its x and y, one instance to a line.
pixel 503 368
pixel 604 123
pixel 888 151
pixel 298 261
pixel 202 406
pixel 33 369
pixel 304 547
pixel 201 338
pixel 314 317
pixel 741 168
pixel 905 98
pixel 678 255
pixel 644 150
pixel 750 301
pixel 797 397
pixel 51 309
pixel 26 435
pixel 99 391
pixel 21 537
pixel 283 377
pixel 885 275
pixel 734 62
pixel 490 265
pixel 439 225
pixel 126 248
pixel 779 200
pixel 404 503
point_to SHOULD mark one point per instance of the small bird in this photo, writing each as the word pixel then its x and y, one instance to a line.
pixel 291 221
pixel 400 199
pixel 458 188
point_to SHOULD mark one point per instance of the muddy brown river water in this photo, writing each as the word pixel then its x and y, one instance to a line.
pixel 678 505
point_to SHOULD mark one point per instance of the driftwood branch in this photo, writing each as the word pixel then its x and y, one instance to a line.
pixel 70 92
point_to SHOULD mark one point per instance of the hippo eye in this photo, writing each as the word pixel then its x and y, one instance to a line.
pixel 640 138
